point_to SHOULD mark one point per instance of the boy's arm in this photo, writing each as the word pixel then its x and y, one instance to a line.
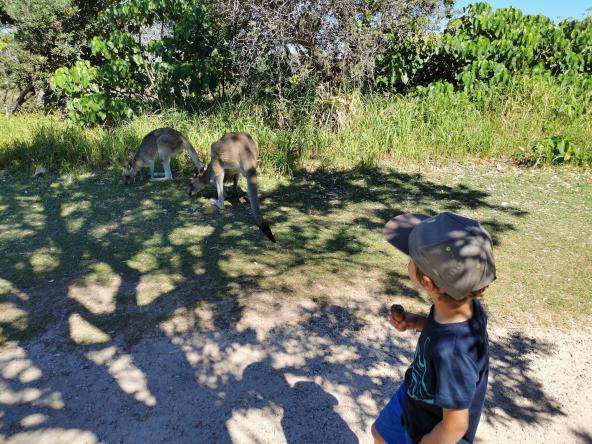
pixel 417 321
pixel 451 429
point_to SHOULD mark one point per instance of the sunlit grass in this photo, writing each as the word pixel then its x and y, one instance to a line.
pixel 83 332
pixel 97 289
pixel 141 252
pixel 335 132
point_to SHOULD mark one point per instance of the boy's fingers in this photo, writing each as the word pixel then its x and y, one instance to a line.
pixel 400 326
pixel 393 320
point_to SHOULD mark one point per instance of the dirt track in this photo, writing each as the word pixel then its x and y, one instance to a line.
pixel 292 371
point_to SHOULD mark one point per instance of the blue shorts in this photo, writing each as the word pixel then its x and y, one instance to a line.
pixel 389 423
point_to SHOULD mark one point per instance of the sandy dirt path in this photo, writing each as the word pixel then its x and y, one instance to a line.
pixel 291 371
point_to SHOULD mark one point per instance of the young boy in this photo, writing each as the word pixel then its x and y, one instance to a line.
pixel 451 259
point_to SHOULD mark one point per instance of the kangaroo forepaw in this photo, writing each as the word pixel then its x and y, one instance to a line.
pixel 217 203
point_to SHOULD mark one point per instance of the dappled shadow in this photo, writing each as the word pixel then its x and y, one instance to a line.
pixel 308 411
pixel 383 194
pixel 515 393
pixel 582 436
pixel 92 271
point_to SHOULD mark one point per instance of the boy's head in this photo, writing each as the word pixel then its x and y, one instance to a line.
pixel 450 255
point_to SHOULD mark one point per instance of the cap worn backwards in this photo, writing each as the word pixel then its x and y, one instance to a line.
pixel 456 252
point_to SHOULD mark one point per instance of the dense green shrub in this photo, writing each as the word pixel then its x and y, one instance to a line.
pixel 149 54
pixel 485 50
pixel 554 150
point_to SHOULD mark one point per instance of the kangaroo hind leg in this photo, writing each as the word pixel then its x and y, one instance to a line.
pixel 165 153
pixel 166 163
pixel 219 179
pixel 151 166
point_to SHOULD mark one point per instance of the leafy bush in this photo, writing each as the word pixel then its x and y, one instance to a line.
pixel 41 36
pixel 554 150
pixel 484 51
pixel 88 103
pixel 150 54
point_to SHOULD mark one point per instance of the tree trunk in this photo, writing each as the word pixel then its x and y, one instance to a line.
pixel 40 98
pixel 22 98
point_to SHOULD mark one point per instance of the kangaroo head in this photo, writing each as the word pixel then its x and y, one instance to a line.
pixel 128 172
pixel 198 182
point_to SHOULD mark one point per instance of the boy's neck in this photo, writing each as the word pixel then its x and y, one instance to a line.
pixel 449 313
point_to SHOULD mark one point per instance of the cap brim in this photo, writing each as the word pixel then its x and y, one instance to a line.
pixel 397 230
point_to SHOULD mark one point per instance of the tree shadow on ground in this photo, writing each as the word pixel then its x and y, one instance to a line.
pixel 123 379
pixel 583 436
pixel 513 382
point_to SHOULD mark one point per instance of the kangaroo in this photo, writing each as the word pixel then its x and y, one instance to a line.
pixel 233 154
pixel 162 142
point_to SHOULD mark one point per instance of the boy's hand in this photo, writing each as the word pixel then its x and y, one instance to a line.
pixel 403 320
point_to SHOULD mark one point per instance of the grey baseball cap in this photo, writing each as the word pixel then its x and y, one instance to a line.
pixel 456 252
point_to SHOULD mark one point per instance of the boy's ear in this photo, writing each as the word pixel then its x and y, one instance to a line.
pixel 429 284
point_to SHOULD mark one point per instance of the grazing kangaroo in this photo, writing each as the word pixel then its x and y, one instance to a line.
pixel 164 143
pixel 233 154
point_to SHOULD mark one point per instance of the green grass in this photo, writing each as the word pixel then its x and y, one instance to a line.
pixel 76 244
pixel 336 132
pixel 122 259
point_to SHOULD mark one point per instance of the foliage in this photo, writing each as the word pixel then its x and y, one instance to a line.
pixel 88 103
pixel 553 151
pixel 291 77
pixel 486 54
pixel 484 50
pixel 298 48
pixel 46 34
pixel 150 53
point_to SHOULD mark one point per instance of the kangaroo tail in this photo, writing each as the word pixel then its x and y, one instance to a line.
pixel 254 199
pixel 198 165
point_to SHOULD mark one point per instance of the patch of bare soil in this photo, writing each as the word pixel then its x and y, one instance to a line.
pixel 262 368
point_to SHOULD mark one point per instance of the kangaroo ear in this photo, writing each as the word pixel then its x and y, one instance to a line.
pixel 198 171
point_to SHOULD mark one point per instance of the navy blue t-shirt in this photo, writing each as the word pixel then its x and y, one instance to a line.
pixel 449 370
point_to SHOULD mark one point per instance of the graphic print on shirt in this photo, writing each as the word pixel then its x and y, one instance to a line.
pixel 417 387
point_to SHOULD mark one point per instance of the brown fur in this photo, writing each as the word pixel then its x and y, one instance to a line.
pixel 163 143
pixel 235 153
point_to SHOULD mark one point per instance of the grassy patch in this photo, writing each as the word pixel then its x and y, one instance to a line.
pixel 337 132
pixel 124 259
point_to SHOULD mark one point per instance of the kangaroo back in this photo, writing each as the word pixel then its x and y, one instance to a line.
pixel 252 191
pixel 148 149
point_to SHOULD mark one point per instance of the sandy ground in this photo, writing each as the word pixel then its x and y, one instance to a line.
pixel 273 371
